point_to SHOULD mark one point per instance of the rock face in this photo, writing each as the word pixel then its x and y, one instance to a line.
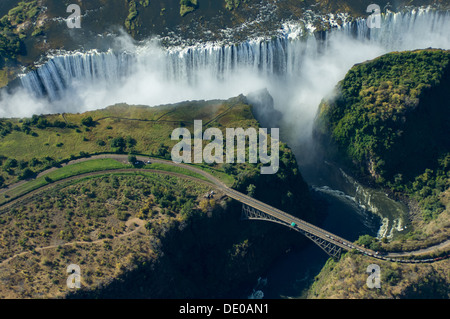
pixel 387 121
pixel 388 124
pixel 207 257
pixel 215 255
pixel 263 108
pixel 389 116
pixel 210 257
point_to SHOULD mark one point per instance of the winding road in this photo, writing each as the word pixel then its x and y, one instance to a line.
pixel 276 214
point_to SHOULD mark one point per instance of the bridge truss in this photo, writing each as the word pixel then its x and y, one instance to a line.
pixel 251 213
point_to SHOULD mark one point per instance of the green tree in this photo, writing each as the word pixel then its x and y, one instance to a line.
pixel 163 150
pixel 132 158
pixel 88 121
pixel 251 190
pixel 26 174
pixel 365 240
pixel 131 142
pixel 118 143
pixel 187 208
pixel 228 168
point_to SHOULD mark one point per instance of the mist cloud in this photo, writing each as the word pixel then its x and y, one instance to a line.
pixel 296 95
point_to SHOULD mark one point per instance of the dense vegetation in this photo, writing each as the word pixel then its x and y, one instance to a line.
pixel 42 142
pixel 347 278
pixel 389 120
pixel 233 4
pixel 106 224
pixel 132 22
pixel 114 225
pixel 9 45
pixel 15 26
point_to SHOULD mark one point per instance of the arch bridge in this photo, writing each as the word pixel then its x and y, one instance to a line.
pixel 333 245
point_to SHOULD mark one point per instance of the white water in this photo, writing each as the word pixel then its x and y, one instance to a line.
pixel 298 69
pixel 257 292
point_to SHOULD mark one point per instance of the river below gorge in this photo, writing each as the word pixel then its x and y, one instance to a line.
pixel 351 210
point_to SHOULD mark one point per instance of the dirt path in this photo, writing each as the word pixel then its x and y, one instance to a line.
pixel 121 158
pixel 214 180
pixel 442 246
pixel 115 171
pixel 128 223
pixel 47 171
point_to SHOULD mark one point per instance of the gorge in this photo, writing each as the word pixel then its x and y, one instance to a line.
pixel 299 66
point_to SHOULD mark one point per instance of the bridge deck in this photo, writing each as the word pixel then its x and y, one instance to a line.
pixel 280 215
pixel 301 224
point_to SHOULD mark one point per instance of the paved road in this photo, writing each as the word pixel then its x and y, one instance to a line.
pixel 247 200
pixel 305 226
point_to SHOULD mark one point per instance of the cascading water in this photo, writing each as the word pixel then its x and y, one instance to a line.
pixel 298 66
pixel 63 72
pixel 282 56
pixel 277 57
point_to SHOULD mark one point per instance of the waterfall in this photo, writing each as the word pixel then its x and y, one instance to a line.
pixel 62 72
pixel 275 57
pixel 66 77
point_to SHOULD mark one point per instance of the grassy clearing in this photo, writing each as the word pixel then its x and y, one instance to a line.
pixel 227 179
pixel 86 167
pixel 148 128
pixel 97 165
pixel 175 169
pixel 63 173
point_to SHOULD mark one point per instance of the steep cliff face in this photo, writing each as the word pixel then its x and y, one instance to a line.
pixel 388 121
pixel 347 279
pixel 209 255
pixel 214 255
pixel 31 28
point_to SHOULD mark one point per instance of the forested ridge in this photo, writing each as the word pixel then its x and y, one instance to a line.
pixel 389 120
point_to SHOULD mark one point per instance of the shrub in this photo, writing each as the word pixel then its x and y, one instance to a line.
pixel 122 215
pixel 88 121
pixel 101 143
pixel 26 174
pixel 132 159
pixel 187 6
pixel 118 143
